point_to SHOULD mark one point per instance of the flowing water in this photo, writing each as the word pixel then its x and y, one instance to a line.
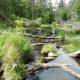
pixel 58 73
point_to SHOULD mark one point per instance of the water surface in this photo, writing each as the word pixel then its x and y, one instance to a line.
pixel 59 73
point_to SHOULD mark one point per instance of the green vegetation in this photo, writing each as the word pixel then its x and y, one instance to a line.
pixel 37 9
pixel 49 48
pixel 72 45
pixel 70 37
pixel 15 52
pixel 34 17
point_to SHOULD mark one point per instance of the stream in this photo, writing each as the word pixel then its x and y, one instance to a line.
pixel 59 73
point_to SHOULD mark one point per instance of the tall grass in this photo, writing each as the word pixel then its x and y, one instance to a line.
pixel 15 52
pixel 72 45
pixel 49 48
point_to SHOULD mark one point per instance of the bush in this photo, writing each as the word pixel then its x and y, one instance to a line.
pixel 15 52
pixel 48 48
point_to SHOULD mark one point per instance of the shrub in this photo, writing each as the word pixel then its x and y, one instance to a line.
pixel 48 48
pixel 19 23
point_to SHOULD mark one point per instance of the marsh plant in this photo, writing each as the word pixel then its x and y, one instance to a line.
pixel 15 52
pixel 49 48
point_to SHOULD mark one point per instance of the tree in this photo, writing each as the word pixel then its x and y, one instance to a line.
pixel 30 9
pixel 62 11
pixel 75 9
pixel 61 4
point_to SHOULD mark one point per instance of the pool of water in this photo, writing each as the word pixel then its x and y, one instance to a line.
pixel 59 73
pixel 56 74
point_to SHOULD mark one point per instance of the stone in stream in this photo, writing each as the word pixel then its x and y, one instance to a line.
pixel 50 54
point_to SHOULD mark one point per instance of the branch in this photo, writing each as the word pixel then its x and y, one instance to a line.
pixel 36 67
pixel 6 18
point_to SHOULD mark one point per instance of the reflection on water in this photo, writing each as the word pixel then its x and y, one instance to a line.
pixel 64 59
pixel 78 60
pixel 58 73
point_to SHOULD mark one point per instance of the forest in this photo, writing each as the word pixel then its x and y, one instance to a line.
pixel 39 40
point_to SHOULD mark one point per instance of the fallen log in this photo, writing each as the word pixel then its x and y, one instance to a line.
pixel 49 58
pixel 37 67
pixel 38 44
pixel 75 54
pixel 42 37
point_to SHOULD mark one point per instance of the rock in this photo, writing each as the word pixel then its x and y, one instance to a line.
pixel 50 54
